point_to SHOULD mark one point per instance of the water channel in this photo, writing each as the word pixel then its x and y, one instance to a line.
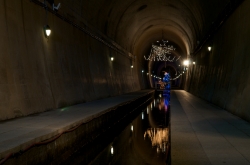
pixel 144 140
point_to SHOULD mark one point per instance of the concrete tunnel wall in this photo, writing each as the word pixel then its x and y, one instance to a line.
pixel 222 75
pixel 39 74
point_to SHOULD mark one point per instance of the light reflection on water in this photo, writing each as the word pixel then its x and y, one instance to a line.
pixel 145 140
pixel 158 137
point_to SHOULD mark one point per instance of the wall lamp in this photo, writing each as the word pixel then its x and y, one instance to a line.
pixel 47 31
pixel 112 58
pixel 209 48
pixel 132 66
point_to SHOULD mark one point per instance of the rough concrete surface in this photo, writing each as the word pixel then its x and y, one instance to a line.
pixel 70 67
pixel 222 75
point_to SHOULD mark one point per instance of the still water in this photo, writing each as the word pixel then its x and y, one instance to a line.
pixel 144 141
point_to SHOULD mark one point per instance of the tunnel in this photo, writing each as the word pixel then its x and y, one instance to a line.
pixel 102 49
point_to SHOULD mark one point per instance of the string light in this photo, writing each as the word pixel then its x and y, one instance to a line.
pixel 176 77
pixel 159 52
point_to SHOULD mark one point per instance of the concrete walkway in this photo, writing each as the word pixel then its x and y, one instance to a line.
pixel 203 134
pixel 17 134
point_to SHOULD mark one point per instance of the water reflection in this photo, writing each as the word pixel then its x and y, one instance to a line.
pixel 143 140
pixel 159 138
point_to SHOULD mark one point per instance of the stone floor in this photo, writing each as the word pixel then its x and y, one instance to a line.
pixel 17 134
pixel 202 133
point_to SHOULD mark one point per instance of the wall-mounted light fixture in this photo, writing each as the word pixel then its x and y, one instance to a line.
pixel 194 63
pixel 142 71
pixel 131 63
pixel 47 31
pixel 46 28
pixel 112 150
pixel 209 48
pixel 112 58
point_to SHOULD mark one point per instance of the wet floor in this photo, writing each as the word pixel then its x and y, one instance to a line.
pixel 143 141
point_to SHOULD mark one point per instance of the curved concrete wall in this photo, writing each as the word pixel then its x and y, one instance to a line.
pixel 222 75
pixel 39 74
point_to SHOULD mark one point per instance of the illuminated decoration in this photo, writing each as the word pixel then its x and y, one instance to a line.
pixel 158 137
pixel 159 52
pixel 177 77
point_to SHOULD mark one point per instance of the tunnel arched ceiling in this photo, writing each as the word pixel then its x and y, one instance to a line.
pixel 136 24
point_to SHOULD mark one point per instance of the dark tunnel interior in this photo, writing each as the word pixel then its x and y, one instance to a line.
pixel 73 64
pixel 72 69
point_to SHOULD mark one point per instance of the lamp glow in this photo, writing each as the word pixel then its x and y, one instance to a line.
pixel 132 128
pixel 209 48
pixel 131 66
pixel 194 63
pixel 47 30
pixel 112 58
pixel 186 63
pixel 112 150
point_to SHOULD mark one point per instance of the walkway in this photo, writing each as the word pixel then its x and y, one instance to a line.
pixel 17 134
pixel 203 134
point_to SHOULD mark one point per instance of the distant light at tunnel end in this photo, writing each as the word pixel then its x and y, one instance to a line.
pixel 186 63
